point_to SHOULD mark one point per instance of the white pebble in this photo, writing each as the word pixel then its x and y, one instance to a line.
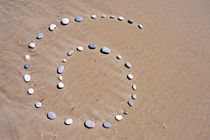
pixel 134 87
pixel 103 16
pixel 65 21
pixel 70 52
pixel 60 85
pixel 93 16
pixel 27 78
pixel 30 91
pixel 27 57
pixel 60 77
pixel 130 76
pixel 38 104
pixel 120 18
pixel 68 121
pixel 118 117
pixel 133 96
pixel 64 60
pixel 119 57
pixel 52 27
pixel 140 26
pixel 112 17
pixel 32 45
pixel 80 48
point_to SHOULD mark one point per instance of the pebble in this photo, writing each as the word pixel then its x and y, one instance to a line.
pixel 130 21
pixel 130 76
pixel 52 27
pixel 60 85
pixel 78 19
pixel 107 125
pixel 118 117
pixel 112 17
pixel 92 46
pixel 51 115
pixel 65 21
pixel 32 45
pixel 134 87
pixel 89 124
pixel 140 26
pixel 60 77
pixel 80 48
pixel 70 52
pixel 38 104
pixel 27 57
pixel 120 18
pixel 64 60
pixel 26 66
pixel 40 36
pixel 126 113
pixel 27 78
pixel 68 121
pixel 128 65
pixel 133 96
pixel 60 69
pixel 105 50
pixel 103 16
pixel 119 57
pixel 30 91
pixel 93 16
pixel 130 103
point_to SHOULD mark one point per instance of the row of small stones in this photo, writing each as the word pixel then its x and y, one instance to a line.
pixel 105 50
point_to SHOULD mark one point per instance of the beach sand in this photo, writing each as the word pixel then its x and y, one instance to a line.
pixel 170 60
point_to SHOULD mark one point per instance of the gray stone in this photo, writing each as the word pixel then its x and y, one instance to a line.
pixel 107 125
pixel 105 50
pixel 60 69
pixel 128 65
pixel 89 124
pixel 92 46
pixel 130 103
pixel 70 52
pixel 133 96
pixel 78 19
pixel 40 35
pixel 51 115
pixel 126 113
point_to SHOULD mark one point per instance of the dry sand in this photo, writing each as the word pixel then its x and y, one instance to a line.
pixel 171 67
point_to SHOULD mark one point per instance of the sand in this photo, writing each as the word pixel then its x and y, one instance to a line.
pixel 169 57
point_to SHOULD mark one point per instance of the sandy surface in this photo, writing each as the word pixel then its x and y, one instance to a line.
pixel 171 68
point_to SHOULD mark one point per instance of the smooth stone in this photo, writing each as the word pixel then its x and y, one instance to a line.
pixel 126 113
pixel 107 125
pixel 40 36
pixel 134 87
pixel 119 57
pixel 38 104
pixel 27 57
pixel 92 46
pixel 60 85
pixel 78 19
pixel 118 117
pixel 60 69
pixel 51 115
pixel 68 121
pixel 133 96
pixel 120 18
pixel 130 21
pixel 130 103
pixel 27 78
pixel 64 60
pixel 52 27
pixel 32 45
pixel 70 52
pixel 93 16
pixel 65 21
pixel 26 66
pixel 105 50
pixel 128 65
pixel 80 48
pixel 103 16
pixel 112 17
pixel 30 91
pixel 60 77
pixel 89 124
pixel 140 26
pixel 130 76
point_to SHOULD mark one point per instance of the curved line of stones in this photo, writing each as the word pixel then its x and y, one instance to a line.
pixel 105 50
